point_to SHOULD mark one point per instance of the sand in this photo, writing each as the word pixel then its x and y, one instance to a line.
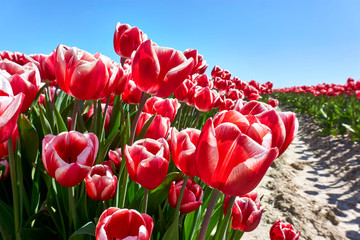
pixel 315 186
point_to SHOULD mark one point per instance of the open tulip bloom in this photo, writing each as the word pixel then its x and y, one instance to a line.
pixel 84 148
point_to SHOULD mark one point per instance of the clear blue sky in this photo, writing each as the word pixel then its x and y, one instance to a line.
pixel 286 42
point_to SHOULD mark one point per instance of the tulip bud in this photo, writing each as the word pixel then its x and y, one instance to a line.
pixel 101 183
pixel 246 212
pixel 273 102
pixel 116 157
pixel 283 231
pixel 127 39
pixel 159 127
pixel 191 199
pixel 147 162
pixel 163 107
pixel 115 223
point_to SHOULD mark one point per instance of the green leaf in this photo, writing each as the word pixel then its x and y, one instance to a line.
pixel 60 124
pixel 115 117
pixel 44 123
pixel 36 100
pixel 105 149
pixel 144 129
pixel 29 140
pixel 6 221
pixel 217 213
pixel 87 229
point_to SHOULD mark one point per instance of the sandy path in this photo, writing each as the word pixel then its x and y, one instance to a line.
pixel 315 186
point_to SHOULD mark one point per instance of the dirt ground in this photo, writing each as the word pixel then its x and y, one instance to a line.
pixel 315 186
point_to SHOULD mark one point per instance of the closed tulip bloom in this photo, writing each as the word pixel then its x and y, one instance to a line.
pixel 83 75
pixel 116 157
pixel 230 160
pixel 158 128
pixel 5 171
pixel 182 92
pixel 204 99
pixel 115 223
pixel 101 183
pixel 246 212
pixel 131 94
pixel 283 231
pixel 191 199
pixel 122 79
pixel 127 39
pixel 10 107
pixel 147 162
pixel 159 70
pixel 46 65
pixel 182 147
pixel 273 102
pixel 69 156
pixel 164 107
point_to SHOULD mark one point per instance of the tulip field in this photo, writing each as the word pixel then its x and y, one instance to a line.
pixel 148 148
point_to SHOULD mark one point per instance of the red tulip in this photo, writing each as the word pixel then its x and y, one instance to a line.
pixel 159 127
pixel 123 77
pixel 273 102
pixel 46 65
pixel 204 99
pixel 127 39
pixel 163 107
pixel 357 93
pixel 159 70
pixel 9 108
pixel 24 79
pixel 4 173
pixel 147 162
pixel 199 63
pixel 83 75
pixel 191 199
pixel 116 157
pixel 68 157
pixel 183 146
pixel 115 223
pixel 182 92
pixel 283 231
pixel 231 161
pixel 101 183
pixel 203 81
pixel 4 151
pixel 246 212
pixel 235 94
pixel 131 94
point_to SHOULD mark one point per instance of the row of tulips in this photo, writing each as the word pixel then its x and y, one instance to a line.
pixel 87 152
pixel 334 107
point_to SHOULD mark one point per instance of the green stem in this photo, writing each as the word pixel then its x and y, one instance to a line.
pixel 74 114
pixel 14 189
pixel 178 204
pixel 227 218
pixel 145 201
pixel 144 97
pixel 209 210
pixel 71 195
pixel 197 119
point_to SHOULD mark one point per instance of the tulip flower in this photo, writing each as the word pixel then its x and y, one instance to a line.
pixel 9 108
pixel 182 92
pixel 283 231
pixel 4 151
pixel 147 162
pixel 69 156
pixel 163 107
pixel 4 173
pixel 101 183
pixel 83 75
pixel 24 79
pixel 357 93
pixel 116 157
pixel 131 94
pixel 182 146
pixel 159 127
pixel 246 212
pixel 115 223
pixel 230 160
pixel 127 39
pixel 159 70
pixel 204 99
pixel 199 63
pixel 46 65
pixel 191 199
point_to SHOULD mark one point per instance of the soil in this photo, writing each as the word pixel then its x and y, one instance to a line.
pixel 315 186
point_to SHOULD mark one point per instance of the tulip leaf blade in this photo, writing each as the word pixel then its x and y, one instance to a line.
pixel 105 148
pixel 60 124
pixel 44 123
pixel 115 117
pixel 6 221
pixel 145 128
pixel 86 229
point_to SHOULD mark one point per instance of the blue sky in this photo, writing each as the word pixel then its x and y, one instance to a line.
pixel 286 42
